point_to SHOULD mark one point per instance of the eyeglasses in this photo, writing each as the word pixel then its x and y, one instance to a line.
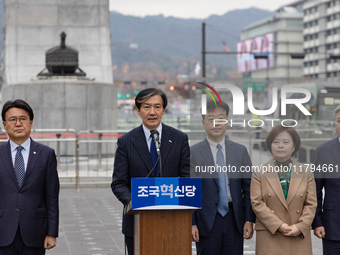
pixel 22 120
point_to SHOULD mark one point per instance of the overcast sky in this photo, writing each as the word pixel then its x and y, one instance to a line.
pixel 190 8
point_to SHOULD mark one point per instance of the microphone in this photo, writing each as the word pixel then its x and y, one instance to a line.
pixel 155 138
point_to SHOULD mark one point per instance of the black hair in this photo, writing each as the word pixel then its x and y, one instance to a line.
pixel 211 106
pixel 279 129
pixel 18 103
pixel 145 94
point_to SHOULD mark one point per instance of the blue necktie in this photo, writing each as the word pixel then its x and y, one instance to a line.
pixel 154 156
pixel 223 193
pixel 19 166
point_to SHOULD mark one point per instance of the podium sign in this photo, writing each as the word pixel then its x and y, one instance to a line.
pixel 166 193
pixel 162 209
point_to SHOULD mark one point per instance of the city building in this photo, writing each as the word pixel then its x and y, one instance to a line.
pixel 321 30
pixel 270 53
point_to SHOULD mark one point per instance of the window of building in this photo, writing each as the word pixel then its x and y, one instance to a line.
pixel 336 31
pixel 329 61
pixel 328 75
pixel 316 75
pixel 316 49
pixel 311 50
pixel 329 18
pixel 305 25
pixel 315 8
pixel 335 74
pixel 311 63
pixel 306 38
pixel 335 60
pixel 336 16
pixel 305 64
pixel 337 2
pixel 329 46
pixel 329 32
pixel 316 36
pixel 316 22
pixel 316 62
pixel 305 50
pixel 335 45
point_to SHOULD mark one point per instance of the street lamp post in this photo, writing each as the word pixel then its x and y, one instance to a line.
pixel 203 50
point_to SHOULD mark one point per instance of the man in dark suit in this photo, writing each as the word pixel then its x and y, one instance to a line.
pixel 226 216
pixel 133 158
pixel 29 187
pixel 326 223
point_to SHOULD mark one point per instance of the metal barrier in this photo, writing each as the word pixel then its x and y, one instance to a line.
pixel 63 141
pixel 96 150
pixel 90 153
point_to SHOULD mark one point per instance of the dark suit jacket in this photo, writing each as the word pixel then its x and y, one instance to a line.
pixel 328 212
pixel 133 160
pixel 236 155
pixel 34 206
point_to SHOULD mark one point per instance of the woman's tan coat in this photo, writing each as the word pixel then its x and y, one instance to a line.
pixel 272 209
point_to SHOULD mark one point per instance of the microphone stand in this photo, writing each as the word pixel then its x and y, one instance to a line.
pixel 160 164
pixel 152 168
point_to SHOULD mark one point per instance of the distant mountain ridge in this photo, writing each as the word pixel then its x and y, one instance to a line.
pixel 166 41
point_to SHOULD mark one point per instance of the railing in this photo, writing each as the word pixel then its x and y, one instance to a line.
pixel 90 153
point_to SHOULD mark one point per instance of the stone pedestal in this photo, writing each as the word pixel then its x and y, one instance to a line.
pixel 64 102
pixel 68 103
pixel 33 27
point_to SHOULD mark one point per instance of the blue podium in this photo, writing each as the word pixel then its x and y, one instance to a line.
pixel 162 209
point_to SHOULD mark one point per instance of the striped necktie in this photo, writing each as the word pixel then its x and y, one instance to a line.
pixel 19 166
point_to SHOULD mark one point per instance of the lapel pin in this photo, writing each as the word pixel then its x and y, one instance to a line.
pixel 34 152
pixel 170 141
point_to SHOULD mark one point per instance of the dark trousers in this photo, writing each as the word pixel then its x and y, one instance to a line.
pixel 128 244
pixel 18 247
pixel 224 237
pixel 330 247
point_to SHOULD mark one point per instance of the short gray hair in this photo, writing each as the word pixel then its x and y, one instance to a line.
pixel 336 110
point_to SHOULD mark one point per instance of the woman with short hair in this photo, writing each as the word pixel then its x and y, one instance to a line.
pixel 283 197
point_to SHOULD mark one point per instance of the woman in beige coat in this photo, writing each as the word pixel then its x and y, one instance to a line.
pixel 283 197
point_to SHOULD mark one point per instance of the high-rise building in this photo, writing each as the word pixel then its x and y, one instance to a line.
pixel 321 30
pixel 271 50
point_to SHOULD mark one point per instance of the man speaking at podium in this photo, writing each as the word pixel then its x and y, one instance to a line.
pixel 136 154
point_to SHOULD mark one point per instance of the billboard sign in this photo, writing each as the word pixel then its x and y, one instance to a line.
pixel 261 45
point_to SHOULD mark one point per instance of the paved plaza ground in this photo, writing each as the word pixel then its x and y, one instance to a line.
pixel 90 224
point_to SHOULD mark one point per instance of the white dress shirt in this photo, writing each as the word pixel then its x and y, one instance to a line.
pixel 24 152
pixel 149 138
